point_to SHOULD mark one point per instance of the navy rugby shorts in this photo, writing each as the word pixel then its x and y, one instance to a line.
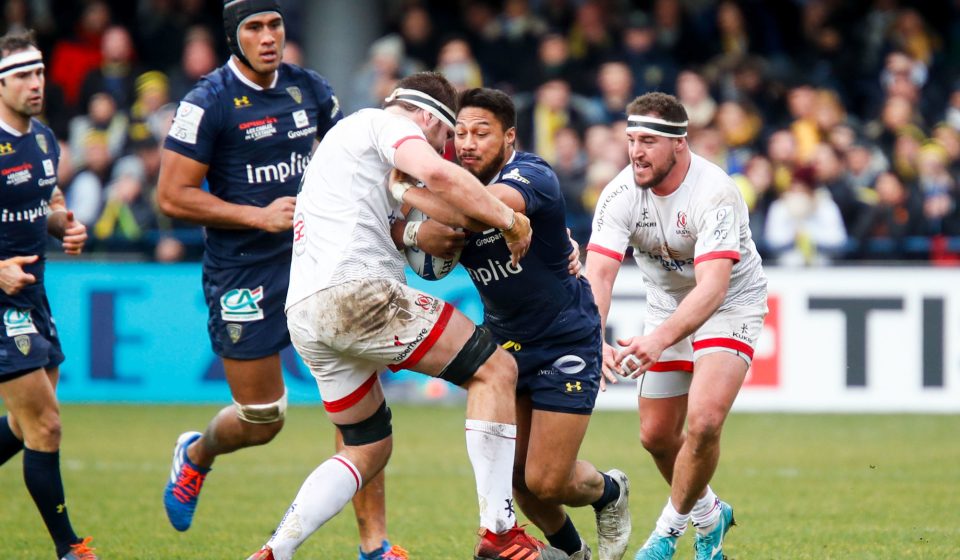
pixel 246 319
pixel 559 376
pixel 28 339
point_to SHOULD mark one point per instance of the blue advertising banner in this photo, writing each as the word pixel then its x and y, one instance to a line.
pixel 137 333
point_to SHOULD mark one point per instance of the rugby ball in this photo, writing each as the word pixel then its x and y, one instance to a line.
pixel 424 265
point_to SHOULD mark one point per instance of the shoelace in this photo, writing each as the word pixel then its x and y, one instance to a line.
pixel 396 553
pixel 82 550
pixel 188 484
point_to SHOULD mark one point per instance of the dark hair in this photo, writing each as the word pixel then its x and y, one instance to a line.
pixel 493 100
pixel 17 41
pixel 663 105
pixel 433 84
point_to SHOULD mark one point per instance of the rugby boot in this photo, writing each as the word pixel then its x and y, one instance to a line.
pixel 710 545
pixel 658 547
pixel 81 551
pixel 514 544
pixel 613 521
pixel 183 489
pixel 385 552
pixel 584 552
pixel 264 553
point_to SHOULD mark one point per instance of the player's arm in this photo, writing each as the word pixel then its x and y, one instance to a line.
pixel 180 196
pixel 12 277
pixel 457 187
pixel 601 273
pixel 64 226
pixel 713 281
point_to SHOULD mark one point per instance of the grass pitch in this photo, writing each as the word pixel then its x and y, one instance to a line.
pixel 803 486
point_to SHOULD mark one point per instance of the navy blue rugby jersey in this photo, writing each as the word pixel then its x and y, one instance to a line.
pixel 257 143
pixel 538 299
pixel 28 175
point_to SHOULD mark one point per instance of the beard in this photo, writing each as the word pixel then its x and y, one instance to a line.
pixel 658 174
pixel 486 173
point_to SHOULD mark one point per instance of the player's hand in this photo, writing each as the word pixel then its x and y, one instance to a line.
pixel 608 368
pixel 440 240
pixel 74 235
pixel 518 237
pixel 12 277
pixel 638 355
pixel 574 267
pixel 278 215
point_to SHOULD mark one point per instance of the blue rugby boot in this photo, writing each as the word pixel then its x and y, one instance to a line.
pixel 710 545
pixel 385 552
pixel 658 547
pixel 183 489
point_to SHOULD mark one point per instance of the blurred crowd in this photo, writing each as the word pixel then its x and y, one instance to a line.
pixel 839 120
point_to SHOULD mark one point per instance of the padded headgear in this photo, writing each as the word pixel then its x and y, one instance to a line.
pixel 235 11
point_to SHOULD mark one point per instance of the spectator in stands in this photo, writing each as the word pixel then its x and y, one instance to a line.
pixel 756 186
pixel 863 163
pixel 591 38
pixel 161 32
pixel 615 84
pixel 419 40
pixel 456 62
pixel 694 93
pixel 555 63
pixel 102 116
pixel 740 126
pixel 571 170
pixel 897 214
pixel 802 109
pixel 653 69
pixel 74 56
pixel 117 70
pixel 782 151
pixel 199 58
pixel 385 65
pixel 553 108
pixel 938 189
pixel 830 174
pixel 152 93
pixel 85 195
pixel 804 226
pixel 599 173
pixel 129 211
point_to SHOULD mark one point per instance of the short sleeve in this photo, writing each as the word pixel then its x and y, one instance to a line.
pixel 329 106
pixel 537 184
pixel 718 227
pixel 194 127
pixel 391 131
pixel 612 219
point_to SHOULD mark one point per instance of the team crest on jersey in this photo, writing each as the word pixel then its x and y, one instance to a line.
pixel 299 233
pixel 42 142
pixel 23 344
pixel 241 102
pixel 242 305
pixel 234 331
pixel 18 321
pixel 295 93
pixel 516 176
pixel 6 149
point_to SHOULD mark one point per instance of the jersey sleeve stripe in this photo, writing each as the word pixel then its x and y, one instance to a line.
pixel 353 398
pixel 405 138
pixel 730 343
pixel 673 365
pixel 732 255
pixel 428 342
pixel 604 251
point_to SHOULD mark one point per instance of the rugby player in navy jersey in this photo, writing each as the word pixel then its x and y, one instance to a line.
pixel 547 319
pixel 31 207
pixel 249 128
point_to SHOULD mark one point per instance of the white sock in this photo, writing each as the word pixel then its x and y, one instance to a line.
pixel 324 493
pixel 491 446
pixel 671 523
pixel 706 512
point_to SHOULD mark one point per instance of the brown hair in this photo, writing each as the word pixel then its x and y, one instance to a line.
pixel 663 105
pixel 433 84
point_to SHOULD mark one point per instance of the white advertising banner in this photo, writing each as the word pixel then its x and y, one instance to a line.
pixel 837 340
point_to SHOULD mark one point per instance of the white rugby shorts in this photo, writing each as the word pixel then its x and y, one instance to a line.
pixel 734 330
pixel 350 333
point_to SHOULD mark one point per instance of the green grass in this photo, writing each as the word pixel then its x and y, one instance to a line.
pixel 803 486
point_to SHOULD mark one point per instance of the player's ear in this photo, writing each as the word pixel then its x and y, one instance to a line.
pixel 510 136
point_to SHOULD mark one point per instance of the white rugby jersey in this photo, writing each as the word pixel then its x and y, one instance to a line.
pixel 705 218
pixel 341 226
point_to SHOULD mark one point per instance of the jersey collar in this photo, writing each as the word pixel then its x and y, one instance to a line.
pixel 236 72
pixel 509 161
pixel 10 130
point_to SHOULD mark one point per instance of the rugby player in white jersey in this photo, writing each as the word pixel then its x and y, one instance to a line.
pixel 351 315
pixel 706 300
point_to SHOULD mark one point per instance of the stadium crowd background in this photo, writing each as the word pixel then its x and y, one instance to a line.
pixel 839 120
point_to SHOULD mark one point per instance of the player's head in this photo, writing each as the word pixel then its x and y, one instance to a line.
pixel 486 131
pixel 432 95
pixel 21 74
pixel 656 135
pixel 255 33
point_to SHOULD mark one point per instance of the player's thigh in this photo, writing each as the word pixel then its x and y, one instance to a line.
pixel 555 439
pixel 662 418
pixel 30 398
pixel 717 380
pixel 257 381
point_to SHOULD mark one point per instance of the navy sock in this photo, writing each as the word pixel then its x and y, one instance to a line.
pixel 567 538
pixel 9 444
pixel 41 473
pixel 611 491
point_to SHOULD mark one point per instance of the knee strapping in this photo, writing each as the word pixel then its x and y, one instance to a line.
pixel 375 428
pixel 263 413
pixel 478 348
